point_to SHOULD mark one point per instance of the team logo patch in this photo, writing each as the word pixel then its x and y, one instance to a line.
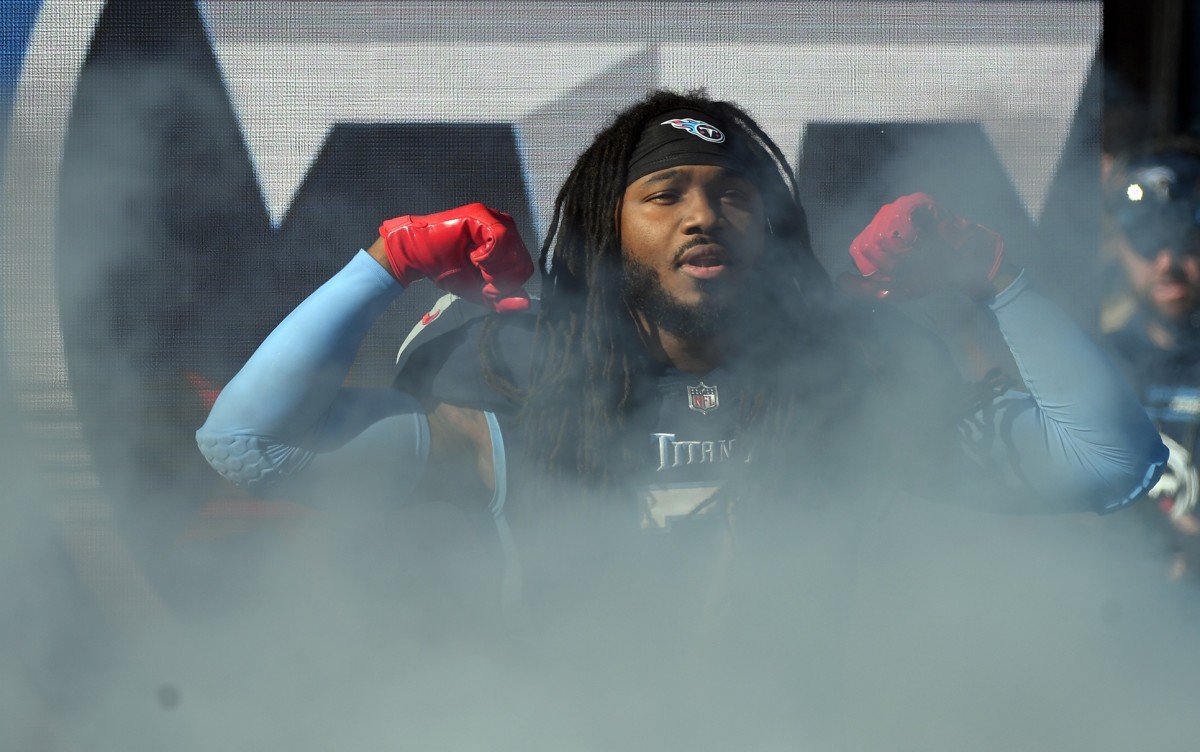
pixel 697 128
pixel 703 398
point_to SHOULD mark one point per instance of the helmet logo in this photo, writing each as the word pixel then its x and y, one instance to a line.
pixel 698 128
pixel 1161 181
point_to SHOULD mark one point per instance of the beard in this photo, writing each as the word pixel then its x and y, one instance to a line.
pixel 643 290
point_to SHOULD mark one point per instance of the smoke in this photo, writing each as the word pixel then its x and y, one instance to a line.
pixel 873 620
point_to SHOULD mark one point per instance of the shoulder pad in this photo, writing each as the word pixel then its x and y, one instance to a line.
pixel 441 359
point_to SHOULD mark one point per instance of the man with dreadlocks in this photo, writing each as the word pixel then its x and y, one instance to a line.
pixel 691 422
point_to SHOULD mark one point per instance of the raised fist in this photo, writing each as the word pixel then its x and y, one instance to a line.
pixel 472 251
pixel 913 246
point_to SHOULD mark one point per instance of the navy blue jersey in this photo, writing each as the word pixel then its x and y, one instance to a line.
pixel 684 456
pixel 691 444
pixel 674 550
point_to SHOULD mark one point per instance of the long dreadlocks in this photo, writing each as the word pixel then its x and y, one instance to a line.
pixel 589 376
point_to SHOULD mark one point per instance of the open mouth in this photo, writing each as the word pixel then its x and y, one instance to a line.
pixel 705 261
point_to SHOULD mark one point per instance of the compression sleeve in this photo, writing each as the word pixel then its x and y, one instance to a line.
pixel 1079 432
pixel 287 408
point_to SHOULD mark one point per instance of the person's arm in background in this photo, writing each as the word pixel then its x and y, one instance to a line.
pixel 1075 433
pixel 287 409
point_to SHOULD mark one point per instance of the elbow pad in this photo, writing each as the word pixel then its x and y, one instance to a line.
pixel 393 448
pixel 249 460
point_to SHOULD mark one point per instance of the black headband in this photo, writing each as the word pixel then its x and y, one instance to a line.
pixel 684 137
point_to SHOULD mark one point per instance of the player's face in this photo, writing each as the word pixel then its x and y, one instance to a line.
pixel 1168 282
pixel 689 235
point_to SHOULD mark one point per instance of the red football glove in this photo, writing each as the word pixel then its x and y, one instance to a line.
pixel 472 251
pixel 913 247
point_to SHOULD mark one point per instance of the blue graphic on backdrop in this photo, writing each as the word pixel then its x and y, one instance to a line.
pixel 15 28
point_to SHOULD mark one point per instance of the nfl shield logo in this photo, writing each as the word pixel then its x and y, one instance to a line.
pixel 703 398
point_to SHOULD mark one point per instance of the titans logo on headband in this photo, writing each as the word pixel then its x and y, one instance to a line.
pixel 697 128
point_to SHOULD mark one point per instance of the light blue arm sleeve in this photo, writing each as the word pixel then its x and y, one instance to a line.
pixel 1079 433
pixel 287 408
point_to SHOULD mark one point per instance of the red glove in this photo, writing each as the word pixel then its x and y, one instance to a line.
pixel 472 251
pixel 913 246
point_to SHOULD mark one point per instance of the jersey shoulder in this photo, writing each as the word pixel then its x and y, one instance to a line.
pixel 443 358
